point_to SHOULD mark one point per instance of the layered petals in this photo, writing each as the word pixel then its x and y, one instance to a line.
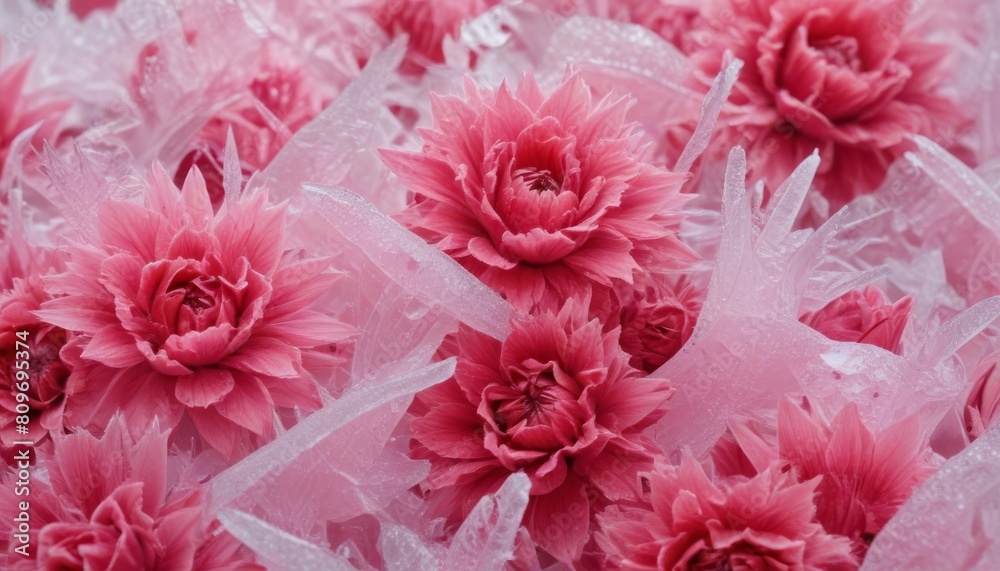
pixel 556 400
pixel 543 198
pixel 184 310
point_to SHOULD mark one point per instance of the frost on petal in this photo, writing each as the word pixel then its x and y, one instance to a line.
pixel 959 507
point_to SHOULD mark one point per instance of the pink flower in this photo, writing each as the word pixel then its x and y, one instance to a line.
pixel 863 316
pixel 865 479
pixel 762 523
pixel 26 339
pixel 111 503
pixel 851 78
pixel 19 111
pixel 556 400
pixel 427 22
pixel 184 311
pixel 983 403
pixel 29 348
pixel 542 198
pixel 656 322
pixel 279 101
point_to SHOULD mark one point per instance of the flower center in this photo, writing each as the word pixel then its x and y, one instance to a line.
pixel 841 51
pixel 532 397
pixel 196 296
pixel 199 303
pixel 538 180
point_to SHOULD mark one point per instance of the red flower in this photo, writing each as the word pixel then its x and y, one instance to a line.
pixel 851 78
pixel 183 311
pixel 765 522
pixel 279 101
pixel 46 374
pixel 542 198
pixel 863 316
pixel 656 322
pixel 113 503
pixel 556 400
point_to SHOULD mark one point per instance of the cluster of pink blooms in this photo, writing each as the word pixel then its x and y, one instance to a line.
pixel 484 284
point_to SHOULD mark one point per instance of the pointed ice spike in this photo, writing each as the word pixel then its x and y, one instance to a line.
pixel 280 550
pixel 789 197
pixel 952 520
pixel 322 150
pixel 735 247
pixel 710 109
pixel 232 172
pixel 412 263
pixel 237 479
pixel 829 286
pixel 955 178
pixel 948 338
pixel 486 539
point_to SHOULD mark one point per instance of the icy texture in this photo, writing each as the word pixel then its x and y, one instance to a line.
pixel 749 348
pixel 280 550
pixel 404 550
pixel 79 190
pixel 411 262
pixel 275 456
pixel 485 540
pixel 326 150
pixel 596 42
pixel 710 110
pixel 952 521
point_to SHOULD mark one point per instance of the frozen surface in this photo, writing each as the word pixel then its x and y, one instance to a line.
pixel 952 521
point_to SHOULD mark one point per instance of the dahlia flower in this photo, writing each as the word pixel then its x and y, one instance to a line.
pixel 427 22
pixel 765 522
pixel 281 99
pixel 656 321
pixel 22 267
pixel 47 374
pixel 113 503
pixel 863 316
pixel 184 311
pixel 853 79
pixel 556 400
pixel 543 198
pixel 865 479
